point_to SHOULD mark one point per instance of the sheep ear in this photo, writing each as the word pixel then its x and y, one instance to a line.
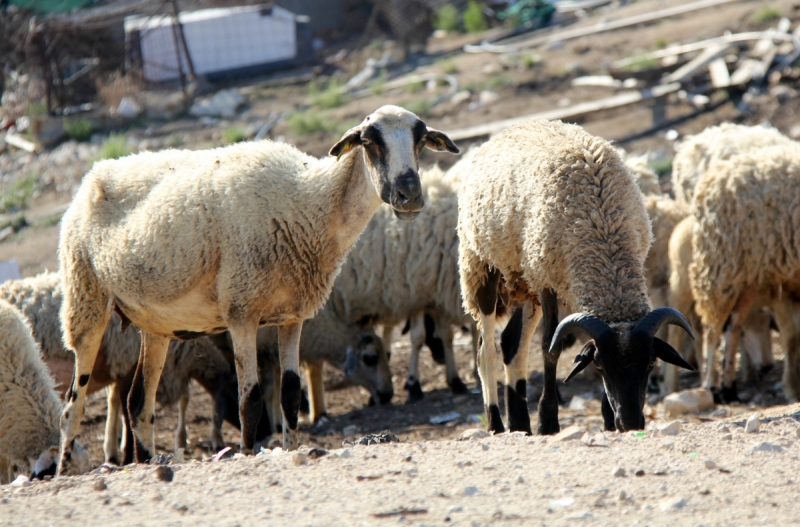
pixel 582 360
pixel 350 362
pixel 436 140
pixel 350 140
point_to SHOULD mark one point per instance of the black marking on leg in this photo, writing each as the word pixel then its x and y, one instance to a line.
pixel 517 408
pixel 434 343
pixel 407 327
pixel 548 416
pixel 84 379
pixel 290 397
pixel 49 471
pixel 486 296
pixel 414 390
pixel 143 455
pixel 185 334
pixel 511 335
pixel 729 394
pixel 608 414
pixel 73 396
pixel 457 386
pixel 495 420
pixel 152 419
pixel 251 409
pixel 305 405
pixel 113 460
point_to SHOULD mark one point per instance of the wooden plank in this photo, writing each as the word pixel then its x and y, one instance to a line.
pixel 602 27
pixel 20 142
pixel 572 112
pixel 748 69
pixel 720 76
pixel 689 69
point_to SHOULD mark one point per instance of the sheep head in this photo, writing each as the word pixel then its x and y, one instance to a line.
pixel 367 364
pixel 391 139
pixel 624 355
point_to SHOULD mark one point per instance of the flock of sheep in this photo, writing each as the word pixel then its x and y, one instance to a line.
pixel 239 264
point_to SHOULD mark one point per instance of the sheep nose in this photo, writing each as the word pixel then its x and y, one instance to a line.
pixel 385 397
pixel 407 196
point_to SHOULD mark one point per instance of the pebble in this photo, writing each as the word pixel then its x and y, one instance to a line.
pixel 585 515
pixel 470 491
pixel 672 504
pixel 100 484
pixel 487 97
pixel 484 446
pixel 164 473
pixel 299 458
pixel 577 403
pixel 349 430
pixel 640 473
pixel 710 464
pixel 671 429
pixel 473 433
pixel 766 446
pixel 345 453
pixel 618 472
pixel 570 433
pixel 753 424
pixel 622 495
pixel 693 400
pixel 798 431
pixel 668 443
pixel 21 481
pixel 724 429
pixel 455 508
pixel 726 437
pixel 316 453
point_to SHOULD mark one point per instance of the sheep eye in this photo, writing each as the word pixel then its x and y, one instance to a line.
pixel 370 360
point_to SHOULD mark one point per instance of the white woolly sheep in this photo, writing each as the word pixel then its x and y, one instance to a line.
pixel 30 409
pixel 186 244
pixel 745 246
pixel 549 212
pixel 696 153
pixel 646 179
pixel 39 298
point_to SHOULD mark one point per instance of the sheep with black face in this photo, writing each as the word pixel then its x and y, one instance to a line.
pixel 548 212
pixel 191 243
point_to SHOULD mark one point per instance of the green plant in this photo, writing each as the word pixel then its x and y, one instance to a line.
pixel 641 62
pixel 16 195
pixel 662 166
pixel 419 106
pixel 764 14
pixel 309 122
pixel 529 60
pixel 114 147
pixel 447 19
pixel 661 43
pixel 174 141
pixel 497 80
pixel 36 108
pixel 448 67
pixel 473 17
pixel 380 83
pixel 329 97
pixel 233 134
pixel 414 87
pixel 78 129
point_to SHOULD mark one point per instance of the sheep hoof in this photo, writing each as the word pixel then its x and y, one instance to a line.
pixel 457 386
pixel 548 418
pixel 726 394
pixel 517 406
pixel 495 420
pixel 414 390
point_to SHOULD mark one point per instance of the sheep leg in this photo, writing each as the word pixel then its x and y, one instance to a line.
pixel 316 390
pixel 608 414
pixel 486 298
pixel 548 403
pixel 180 429
pixel 786 318
pixel 711 337
pixel 86 346
pixel 453 380
pixel 123 387
pixel 475 335
pixel 289 345
pixel 514 343
pixel 250 398
pixel 142 399
pixel 111 438
pixel 417 333
pixel 732 336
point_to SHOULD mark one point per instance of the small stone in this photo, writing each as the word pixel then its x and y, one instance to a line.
pixel 570 433
pixel 179 507
pixel 618 472
pixel 21 481
pixel 316 453
pixel 473 433
pixel 622 495
pixel 577 403
pixel 562 503
pixel 640 473
pixel 766 446
pixel 672 504
pixel 724 429
pixel 455 508
pixel 798 432
pixel 484 446
pixel 349 430
pixel 726 437
pixel 585 515
pixel 470 491
pixel 668 443
pixel 693 400
pixel 100 484
pixel 164 473
pixel 710 464
pixel 299 458
pixel 520 480
pixel 460 97
pixel 345 453
pixel 752 424
pixel 671 429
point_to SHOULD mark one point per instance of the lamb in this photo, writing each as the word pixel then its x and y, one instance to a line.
pixel 746 252
pixel 697 153
pixel 550 212
pixel 185 244
pixel 29 407
pixel 399 270
pixel 39 298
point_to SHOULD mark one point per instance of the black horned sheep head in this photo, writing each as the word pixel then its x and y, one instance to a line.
pixel 392 139
pixel 624 356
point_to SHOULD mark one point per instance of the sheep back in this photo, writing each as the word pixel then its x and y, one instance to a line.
pixel 748 227
pixel 556 206
pixel 665 214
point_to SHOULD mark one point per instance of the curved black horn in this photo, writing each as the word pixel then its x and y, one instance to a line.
pixel 584 322
pixel 653 321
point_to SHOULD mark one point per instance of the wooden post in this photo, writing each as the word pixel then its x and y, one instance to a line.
pixel 178 27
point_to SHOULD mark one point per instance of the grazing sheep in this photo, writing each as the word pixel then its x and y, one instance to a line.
pixel 39 298
pixel 399 270
pixel 746 252
pixel 665 213
pixel 186 244
pixel 30 410
pixel 548 213
pixel 698 152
